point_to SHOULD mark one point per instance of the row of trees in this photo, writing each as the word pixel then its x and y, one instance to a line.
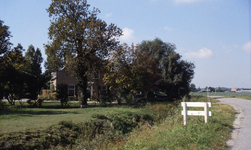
pixel 149 66
pixel 210 89
pixel 83 42
pixel 20 76
pixel 79 40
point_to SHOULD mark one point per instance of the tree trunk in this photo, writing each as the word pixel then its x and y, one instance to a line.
pixel 82 85
pixel 119 98
pixel 10 99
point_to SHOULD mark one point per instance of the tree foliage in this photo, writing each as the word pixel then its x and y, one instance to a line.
pixel 151 66
pixel 12 65
pixel 34 59
pixel 175 74
pixel 18 74
pixel 193 88
pixel 14 77
pixel 5 36
pixel 127 71
pixel 5 46
pixel 79 39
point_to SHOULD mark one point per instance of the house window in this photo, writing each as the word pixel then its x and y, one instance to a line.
pixel 71 90
pixel 96 75
pixel 104 90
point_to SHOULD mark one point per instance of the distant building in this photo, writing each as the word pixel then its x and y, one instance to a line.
pixel 234 89
pixel 243 90
pixel 95 85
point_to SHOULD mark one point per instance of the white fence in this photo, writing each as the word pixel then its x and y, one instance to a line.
pixel 204 113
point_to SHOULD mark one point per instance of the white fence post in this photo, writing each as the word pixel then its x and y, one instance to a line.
pixel 185 112
pixel 204 113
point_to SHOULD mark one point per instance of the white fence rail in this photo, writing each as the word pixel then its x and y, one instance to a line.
pixel 204 113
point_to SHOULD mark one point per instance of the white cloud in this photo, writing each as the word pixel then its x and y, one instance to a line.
pixel 247 47
pixel 168 28
pixel 128 36
pixel 202 53
pixel 230 48
pixel 108 15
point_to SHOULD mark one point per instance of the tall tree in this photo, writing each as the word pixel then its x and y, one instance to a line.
pixel 5 44
pixel 156 49
pixel 46 76
pixel 79 39
pixel 127 71
pixel 177 75
pixel 173 75
pixel 192 87
pixel 14 77
pixel 34 59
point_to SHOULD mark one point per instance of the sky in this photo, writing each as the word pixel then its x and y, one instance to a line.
pixel 213 34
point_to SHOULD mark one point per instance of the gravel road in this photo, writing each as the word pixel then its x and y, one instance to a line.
pixel 241 136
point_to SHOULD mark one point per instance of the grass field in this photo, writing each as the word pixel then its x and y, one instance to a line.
pixel 172 134
pixel 242 95
pixel 54 125
pixel 13 120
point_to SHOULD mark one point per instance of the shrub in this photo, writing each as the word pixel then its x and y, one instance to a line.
pixel 61 94
pixel 1 105
pixel 69 124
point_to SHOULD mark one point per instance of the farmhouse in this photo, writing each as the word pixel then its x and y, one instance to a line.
pixel 234 89
pixel 95 85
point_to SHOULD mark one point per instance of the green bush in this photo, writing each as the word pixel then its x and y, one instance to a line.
pixel 1 105
pixel 61 94
pixel 99 116
pixel 101 127
pixel 65 133
pixel 70 125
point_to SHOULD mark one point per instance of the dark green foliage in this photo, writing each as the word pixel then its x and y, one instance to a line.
pixel 33 61
pixel 103 99
pixel 79 40
pixel 19 75
pixel 192 87
pixel 90 129
pixel 123 123
pixel 171 74
pixel 61 94
pixel 99 116
pixel 70 125
pixel 4 39
pixel 65 133
pixel 68 133
pixel 14 78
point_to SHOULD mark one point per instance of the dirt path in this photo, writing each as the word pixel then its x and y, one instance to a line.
pixel 241 136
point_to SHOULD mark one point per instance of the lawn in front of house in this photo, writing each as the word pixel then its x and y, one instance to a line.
pixel 166 132
pixel 20 119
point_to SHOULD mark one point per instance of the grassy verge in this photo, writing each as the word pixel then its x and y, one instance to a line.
pixel 42 128
pixel 21 119
pixel 243 95
pixel 172 134
pixel 144 126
